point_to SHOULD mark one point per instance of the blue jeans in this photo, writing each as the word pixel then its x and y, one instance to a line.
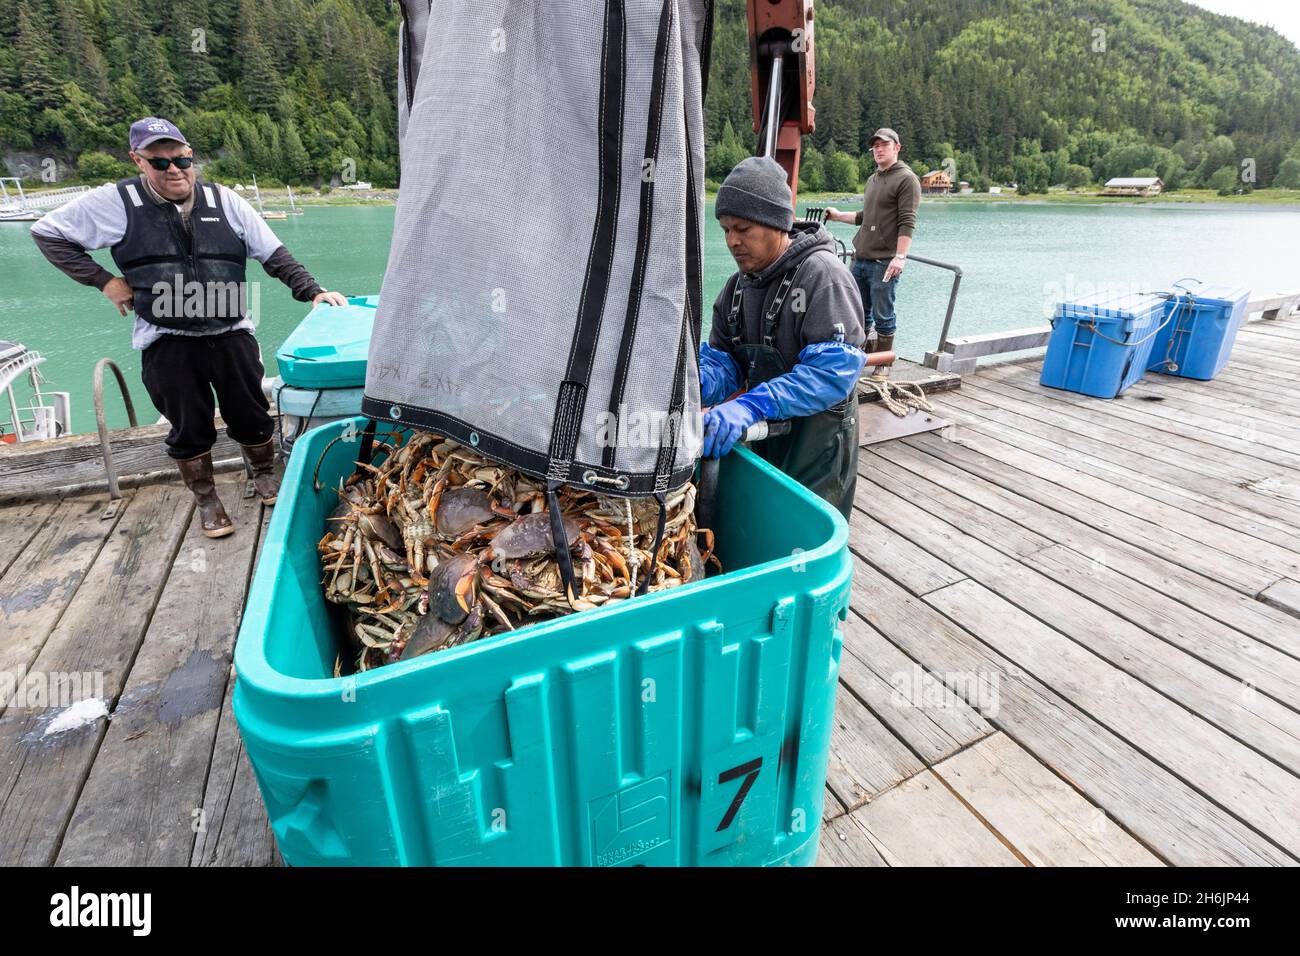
pixel 877 295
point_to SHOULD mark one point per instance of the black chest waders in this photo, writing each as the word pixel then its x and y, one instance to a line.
pixel 536 338
pixel 819 451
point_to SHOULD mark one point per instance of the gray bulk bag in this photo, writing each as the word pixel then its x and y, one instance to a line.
pixel 542 296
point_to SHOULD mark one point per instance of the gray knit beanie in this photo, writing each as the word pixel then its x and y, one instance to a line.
pixel 756 190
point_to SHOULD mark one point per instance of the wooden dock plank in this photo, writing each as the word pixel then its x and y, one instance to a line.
pixel 928 717
pixel 945 479
pixel 845 843
pixel 43 579
pixel 1044 818
pixel 1118 522
pixel 1194 454
pixel 234 830
pixel 149 774
pixel 865 758
pixel 1160 809
pixel 1223 400
pixel 19 524
pixel 1247 660
pixel 951 835
pixel 1248 356
pixel 921 571
pixel 41 775
pixel 1247 398
pixel 1283 595
pixel 831 806
pixel 1220 525
pixel 1146 414
pixel 1135 589
pixel 1254 789
pixel 1182 679
pixel 1157 462
pixel 1265 332
pixel 42 468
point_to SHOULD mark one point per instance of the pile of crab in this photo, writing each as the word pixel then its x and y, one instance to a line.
pixel 438 545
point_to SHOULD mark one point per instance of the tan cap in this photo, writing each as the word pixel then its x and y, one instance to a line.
pixel 884 133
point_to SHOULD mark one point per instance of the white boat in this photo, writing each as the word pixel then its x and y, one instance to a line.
pixel 274 214
pixel 293 207
pixel 46 414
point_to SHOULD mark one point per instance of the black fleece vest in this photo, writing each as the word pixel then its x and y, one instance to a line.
pixel 191 281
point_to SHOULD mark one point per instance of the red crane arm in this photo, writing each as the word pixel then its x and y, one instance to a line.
pixel 783 77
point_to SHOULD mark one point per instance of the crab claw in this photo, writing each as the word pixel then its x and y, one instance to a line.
pixel 450 583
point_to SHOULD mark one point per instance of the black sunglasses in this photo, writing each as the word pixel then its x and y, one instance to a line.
pixel 161 163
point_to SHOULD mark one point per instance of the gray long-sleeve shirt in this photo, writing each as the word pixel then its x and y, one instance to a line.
pixel 98 219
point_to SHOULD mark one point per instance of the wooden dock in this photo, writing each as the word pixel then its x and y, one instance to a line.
pixel 1075 639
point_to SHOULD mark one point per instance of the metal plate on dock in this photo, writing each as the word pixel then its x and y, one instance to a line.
pixel 877 423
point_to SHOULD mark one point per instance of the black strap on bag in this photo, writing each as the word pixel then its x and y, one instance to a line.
pixel 367 449
pixel 572 399
pixel 561 541
pixel 644 584
pixel 645 225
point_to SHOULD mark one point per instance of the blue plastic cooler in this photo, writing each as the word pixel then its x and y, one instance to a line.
pixel 1198 341
pixel 1101 343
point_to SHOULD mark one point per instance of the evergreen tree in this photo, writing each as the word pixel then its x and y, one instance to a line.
pixel 39 86
pixel 259 79
pixel 157 85
pixel 192 48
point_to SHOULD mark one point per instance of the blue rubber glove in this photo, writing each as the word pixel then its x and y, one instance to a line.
pixel 726 424
pixel 719 374
pixel 825 374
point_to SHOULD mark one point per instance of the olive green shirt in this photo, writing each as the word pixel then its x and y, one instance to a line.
pixel 889 204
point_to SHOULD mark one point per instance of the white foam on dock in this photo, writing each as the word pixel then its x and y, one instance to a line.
pixel 80 714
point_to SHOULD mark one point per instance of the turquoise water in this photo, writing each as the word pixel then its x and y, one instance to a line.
pixel 1018 259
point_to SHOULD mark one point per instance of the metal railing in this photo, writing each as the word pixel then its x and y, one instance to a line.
pixel 106 447
pixel 818 214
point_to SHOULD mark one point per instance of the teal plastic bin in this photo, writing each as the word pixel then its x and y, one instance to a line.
pixel 330 346
pixel 688 727
pixel 323 367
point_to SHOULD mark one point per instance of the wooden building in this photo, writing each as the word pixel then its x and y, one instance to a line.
pixel 936 181
pixel 1133 186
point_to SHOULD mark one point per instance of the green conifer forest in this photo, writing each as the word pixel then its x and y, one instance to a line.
pixel 1027 91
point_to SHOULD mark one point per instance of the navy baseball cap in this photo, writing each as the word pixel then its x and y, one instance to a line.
pixel 153 128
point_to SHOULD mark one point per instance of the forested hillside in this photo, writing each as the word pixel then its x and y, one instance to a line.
pixel 290 89
pixel 1031 91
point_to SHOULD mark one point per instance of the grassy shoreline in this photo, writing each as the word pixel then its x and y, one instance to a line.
pixel 1260 198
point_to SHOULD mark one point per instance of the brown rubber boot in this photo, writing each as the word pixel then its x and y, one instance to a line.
pixel 260 460
pixel 884 343
pixel 197 473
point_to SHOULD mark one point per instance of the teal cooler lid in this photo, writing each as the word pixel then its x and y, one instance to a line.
pixel 329 348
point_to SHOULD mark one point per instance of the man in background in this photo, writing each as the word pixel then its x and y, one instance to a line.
pixel 886 222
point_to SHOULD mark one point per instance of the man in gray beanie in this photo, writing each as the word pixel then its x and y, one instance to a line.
pixel 787 327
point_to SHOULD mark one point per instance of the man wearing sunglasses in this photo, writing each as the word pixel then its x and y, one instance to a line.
pixel 182 247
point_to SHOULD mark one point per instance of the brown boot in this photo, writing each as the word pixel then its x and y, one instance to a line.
pixel 884 343
pixel 197 473
pixel 260 460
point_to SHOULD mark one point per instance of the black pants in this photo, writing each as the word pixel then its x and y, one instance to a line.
pixel 181 372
